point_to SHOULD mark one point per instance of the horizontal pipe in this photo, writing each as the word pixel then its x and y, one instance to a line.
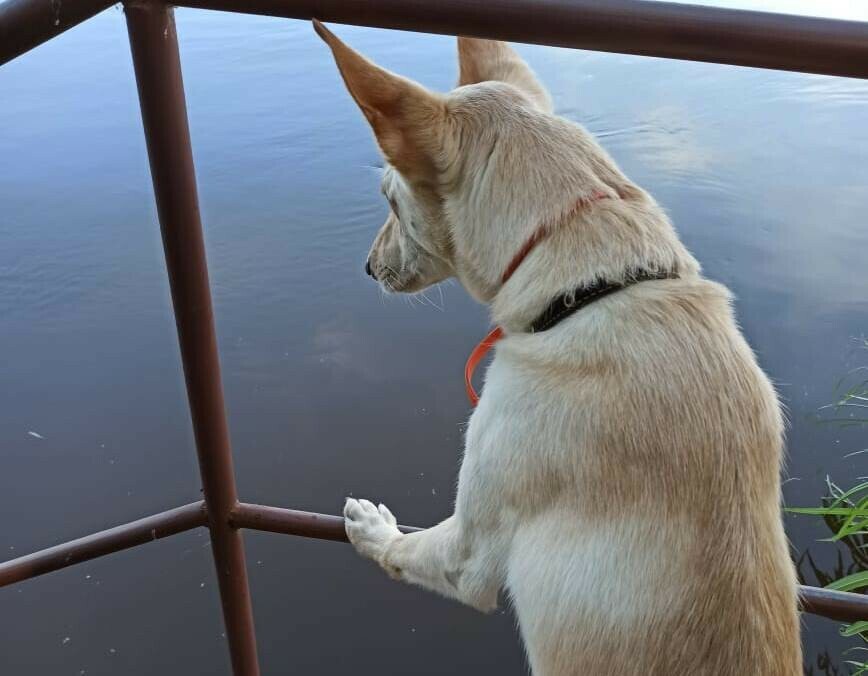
pixel 840 606
pixel 154 527
pixel 24 24
pixel 836 605
pixel 293 522
pixel 664 29
pixel 670 30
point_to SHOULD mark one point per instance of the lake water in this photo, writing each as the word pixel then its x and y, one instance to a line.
pixel 332 388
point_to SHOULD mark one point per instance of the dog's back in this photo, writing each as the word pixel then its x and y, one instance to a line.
pixel 661 550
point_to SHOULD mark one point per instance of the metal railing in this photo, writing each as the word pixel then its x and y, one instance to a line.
pixel 709 34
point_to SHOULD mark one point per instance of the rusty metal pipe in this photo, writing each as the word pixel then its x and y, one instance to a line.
pixel 25 24
pixel 293 522
pixel 665 29
pixel 154 45
pixel 139 532
pixel 840 606
pixel 670 30
pixel 836 605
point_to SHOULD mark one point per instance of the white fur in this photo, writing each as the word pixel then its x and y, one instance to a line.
pixel 620 473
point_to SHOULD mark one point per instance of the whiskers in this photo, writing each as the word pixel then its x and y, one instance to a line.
pixel 424 296
pixel 423 299
pixel 390 277
pixel 390 283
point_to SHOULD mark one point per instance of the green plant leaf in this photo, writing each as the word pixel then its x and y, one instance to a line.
pixel 855 628
pixel 828 511
pixel 851 582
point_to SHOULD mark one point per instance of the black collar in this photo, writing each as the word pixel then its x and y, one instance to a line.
pixel 572 301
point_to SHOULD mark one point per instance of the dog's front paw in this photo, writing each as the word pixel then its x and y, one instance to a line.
pixel 369 528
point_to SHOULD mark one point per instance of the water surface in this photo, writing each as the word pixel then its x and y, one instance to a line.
pixel 333 389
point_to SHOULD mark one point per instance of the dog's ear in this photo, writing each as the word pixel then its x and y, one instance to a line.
pixel 406 118
pixel 482 60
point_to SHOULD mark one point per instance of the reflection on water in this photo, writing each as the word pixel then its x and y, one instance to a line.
pixel 333 389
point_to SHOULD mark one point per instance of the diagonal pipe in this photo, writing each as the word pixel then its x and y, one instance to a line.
pixel 157 64
pixel 139 532
pixel 25 24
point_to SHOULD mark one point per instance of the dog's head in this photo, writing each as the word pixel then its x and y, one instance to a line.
pixel 469 173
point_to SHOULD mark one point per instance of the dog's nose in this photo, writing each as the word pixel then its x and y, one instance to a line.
pixel 368 269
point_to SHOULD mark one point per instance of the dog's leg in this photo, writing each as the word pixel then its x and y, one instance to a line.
pixel 445 558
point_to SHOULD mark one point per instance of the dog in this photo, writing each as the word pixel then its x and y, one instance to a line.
pixel 621 472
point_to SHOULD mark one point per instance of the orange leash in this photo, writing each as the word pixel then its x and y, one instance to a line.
pixel 497 333
pixel 475 357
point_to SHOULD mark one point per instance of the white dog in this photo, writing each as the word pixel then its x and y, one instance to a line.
pixel 621 472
